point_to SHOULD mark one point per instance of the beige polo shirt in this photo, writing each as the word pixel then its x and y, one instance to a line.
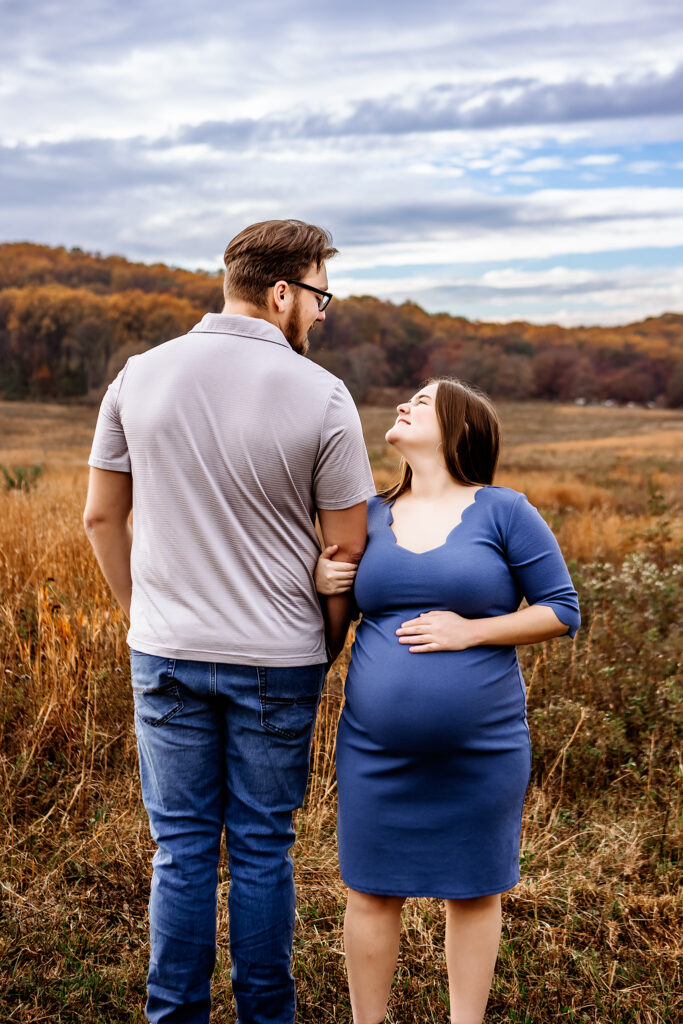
pixel 233 441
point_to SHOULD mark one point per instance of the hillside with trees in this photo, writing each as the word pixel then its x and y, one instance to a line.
pixel 69 320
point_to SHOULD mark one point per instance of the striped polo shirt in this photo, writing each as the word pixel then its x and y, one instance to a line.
pixel 233 441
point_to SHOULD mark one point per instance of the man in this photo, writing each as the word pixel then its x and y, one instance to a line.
pixel 225 442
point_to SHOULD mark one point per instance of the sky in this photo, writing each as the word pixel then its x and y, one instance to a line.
pixel 492 160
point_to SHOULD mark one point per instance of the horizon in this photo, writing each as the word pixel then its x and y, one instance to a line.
pixel 360 295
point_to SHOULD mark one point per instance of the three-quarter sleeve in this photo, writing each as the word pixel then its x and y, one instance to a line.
pixel 536 562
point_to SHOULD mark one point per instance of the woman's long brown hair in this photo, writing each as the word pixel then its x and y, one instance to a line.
pixel 470 435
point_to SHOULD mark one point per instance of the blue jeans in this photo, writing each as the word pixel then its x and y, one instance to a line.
pixel 222 746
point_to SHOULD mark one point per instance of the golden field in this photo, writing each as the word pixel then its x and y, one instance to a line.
pixel 591 934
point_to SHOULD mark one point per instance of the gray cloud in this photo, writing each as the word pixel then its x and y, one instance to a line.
pixel 91 29
pixel 126 178
pixel 185 122
pixel 618 296
pixel 116 197
pixel 473 291
pixel 82 170
pixel 505 103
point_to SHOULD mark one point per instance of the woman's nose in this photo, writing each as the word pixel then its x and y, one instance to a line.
pixel 403 407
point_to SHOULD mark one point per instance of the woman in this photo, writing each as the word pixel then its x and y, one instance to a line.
pixel 433 753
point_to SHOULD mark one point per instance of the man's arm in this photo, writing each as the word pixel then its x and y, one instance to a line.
pixel 346 527
pixel 108 505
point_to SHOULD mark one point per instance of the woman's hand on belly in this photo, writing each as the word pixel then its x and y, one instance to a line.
pixel 448 631
pixel 436 631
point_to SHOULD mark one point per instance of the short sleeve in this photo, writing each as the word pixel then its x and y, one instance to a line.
pixel 342 476
pixel 536 562
pixel 109 448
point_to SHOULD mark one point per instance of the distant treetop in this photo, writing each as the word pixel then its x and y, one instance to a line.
pixel 69 319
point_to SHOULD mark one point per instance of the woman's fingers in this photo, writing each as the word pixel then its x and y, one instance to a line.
pixel 329 551
pixel 414 626
pixel 423 638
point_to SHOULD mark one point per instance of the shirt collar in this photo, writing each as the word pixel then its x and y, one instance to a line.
pixel 243 326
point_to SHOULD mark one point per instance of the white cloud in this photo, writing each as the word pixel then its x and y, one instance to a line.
pixel 544 163
pixel 599 160
pixel 559 295
pixel 522 180
pixel 643 166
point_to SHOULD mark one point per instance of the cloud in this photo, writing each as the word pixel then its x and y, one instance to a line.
pixel 182 203
pixel 544 163
pixel 644 166
pixel 559 295
pixel 418 133
pixel 599 160
pixel 446 107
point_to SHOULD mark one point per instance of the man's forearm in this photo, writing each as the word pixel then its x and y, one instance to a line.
pixel 337 610
pixel 111 544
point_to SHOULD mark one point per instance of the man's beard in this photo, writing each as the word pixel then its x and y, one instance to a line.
pixel 295 330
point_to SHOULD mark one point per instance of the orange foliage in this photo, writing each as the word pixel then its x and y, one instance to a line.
pixel 72 312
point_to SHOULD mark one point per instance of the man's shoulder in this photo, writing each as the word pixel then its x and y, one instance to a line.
pixel 295 373
pixel 320 375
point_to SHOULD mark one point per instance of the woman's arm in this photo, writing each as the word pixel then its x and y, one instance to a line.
pixel 535 561
pixel 448 631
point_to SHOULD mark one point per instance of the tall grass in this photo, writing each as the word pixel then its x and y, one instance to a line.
pixel 592 933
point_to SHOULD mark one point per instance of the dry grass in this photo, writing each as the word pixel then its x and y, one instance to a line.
pixel 591 934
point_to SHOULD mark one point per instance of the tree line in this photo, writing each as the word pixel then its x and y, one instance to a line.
pixel 69 319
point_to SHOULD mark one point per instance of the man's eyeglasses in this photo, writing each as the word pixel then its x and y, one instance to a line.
pixel 325 297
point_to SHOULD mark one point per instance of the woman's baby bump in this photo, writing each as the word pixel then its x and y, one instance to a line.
pixel 441 700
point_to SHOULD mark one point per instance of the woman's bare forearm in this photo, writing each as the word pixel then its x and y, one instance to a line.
pixel 529 625
pixel 440 630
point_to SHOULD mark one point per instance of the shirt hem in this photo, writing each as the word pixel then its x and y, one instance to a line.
pixel 365 495
pixel 106 464
pixel 559 610
pixel 227 657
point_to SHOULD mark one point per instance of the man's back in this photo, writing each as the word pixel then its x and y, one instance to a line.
pixel 233 440
pixel 224 442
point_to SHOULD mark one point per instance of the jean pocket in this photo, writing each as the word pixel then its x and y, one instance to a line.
pixel 289 698
pixel 156 694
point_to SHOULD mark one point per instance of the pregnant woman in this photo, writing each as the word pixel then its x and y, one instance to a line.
pixel 433 753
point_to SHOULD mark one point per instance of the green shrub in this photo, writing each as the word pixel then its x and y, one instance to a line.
pixel 21 478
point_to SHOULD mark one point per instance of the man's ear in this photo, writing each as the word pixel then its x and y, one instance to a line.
pixel 279 294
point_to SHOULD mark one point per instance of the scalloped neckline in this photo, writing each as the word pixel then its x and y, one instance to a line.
pixel 428 551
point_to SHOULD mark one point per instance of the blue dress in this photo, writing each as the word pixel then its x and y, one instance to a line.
pixel 433 752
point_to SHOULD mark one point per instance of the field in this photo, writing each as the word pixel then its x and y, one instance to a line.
pixel 591 934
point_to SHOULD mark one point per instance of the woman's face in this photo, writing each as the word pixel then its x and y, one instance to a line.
pixel 416 426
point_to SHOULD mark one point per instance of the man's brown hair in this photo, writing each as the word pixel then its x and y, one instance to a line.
pixel 470 435
pixel 270 251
